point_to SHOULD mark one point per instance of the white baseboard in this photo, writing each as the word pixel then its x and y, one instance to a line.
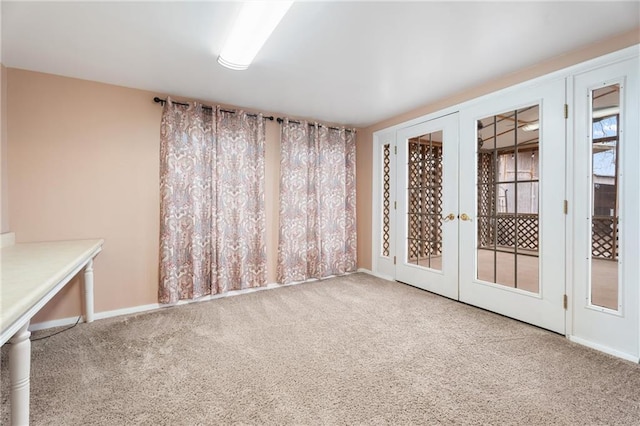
pixel 7 239
pixel 127 311
pixel 53 323
pixel 153 306
pixel 604 349
pixel 375 274
pixel 98 316
pixel 221 295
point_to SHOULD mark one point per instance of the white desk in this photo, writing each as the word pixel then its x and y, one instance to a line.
pixel 31 274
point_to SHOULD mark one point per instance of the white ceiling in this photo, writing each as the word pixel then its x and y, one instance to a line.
pixel 354 63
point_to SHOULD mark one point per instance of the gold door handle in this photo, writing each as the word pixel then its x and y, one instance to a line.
pixel 465 217
pixel 448 217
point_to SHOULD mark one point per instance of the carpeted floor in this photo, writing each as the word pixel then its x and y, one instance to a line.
pixel 349 350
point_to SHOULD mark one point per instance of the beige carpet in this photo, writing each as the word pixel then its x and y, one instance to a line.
pixel 354 350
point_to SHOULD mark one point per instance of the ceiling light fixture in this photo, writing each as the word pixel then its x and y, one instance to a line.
pixel 597 113
pixel 606 111
pixel 253 26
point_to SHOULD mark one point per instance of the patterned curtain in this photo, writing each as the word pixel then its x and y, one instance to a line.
pixel 212 221
pixel 317 202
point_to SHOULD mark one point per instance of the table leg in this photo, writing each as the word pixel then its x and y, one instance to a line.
pixel 88 292
pixel 19 371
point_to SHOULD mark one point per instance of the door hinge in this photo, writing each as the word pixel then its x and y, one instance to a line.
pixel 394 260
pixel 395 205
pixel 565 301
pixel 566 111
pixel 566 207
pixel 395 149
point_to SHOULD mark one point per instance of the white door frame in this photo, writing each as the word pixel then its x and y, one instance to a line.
pixel 614 331
pixel 383 265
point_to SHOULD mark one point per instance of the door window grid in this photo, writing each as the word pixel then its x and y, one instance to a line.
pixel 424 239
pixel 386 198
pixel 605 182
pixel 507 191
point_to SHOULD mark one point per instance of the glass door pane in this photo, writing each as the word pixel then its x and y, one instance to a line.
pixel 386 200
pixel 427 195
pixel 507 193
pixel 424 193
pixel 605 145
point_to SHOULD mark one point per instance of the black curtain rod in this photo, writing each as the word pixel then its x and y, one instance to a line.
pixel 280 120
pixel 270 117
pixel 208 108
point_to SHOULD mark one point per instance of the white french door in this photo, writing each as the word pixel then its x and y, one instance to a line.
pixel 426 240
pixel 472 205
pixel 525 203
pixel 606 213
pixel 512 191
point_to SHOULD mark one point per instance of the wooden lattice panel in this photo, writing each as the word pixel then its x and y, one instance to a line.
pixel 415 246
pixel 526 230
pixel 486 199
pixel 386 199
pixel 424 199
pixel 486 229
pixel 604 237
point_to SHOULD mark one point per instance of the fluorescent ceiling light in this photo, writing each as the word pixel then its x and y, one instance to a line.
pixel 253 26
pixel 606 111
pixel 597 113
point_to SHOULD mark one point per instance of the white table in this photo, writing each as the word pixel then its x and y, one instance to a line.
pixel 31 274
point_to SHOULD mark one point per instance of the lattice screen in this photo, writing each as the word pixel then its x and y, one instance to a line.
pixel 486 199
pixel 489 219
pixel 604 237
pixel 527 231
pixel 425 199
pixel 386 198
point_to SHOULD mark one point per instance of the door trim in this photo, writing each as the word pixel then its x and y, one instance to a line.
pixel 602 328
pixel 382 266
pixel 445 280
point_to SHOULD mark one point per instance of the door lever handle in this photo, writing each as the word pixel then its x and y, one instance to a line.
pixel 448 217
pixel 464 217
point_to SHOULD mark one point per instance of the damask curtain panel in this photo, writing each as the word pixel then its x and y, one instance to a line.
pixel 212 221
pixel 317 202
pixel 240 249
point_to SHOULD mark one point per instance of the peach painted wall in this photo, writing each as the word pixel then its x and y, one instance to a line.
pixel 4 170
pixel 364 177
pixel 84 163
pixel 365 136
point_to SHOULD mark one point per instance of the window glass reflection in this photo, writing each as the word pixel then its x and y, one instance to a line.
pixel 508 199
